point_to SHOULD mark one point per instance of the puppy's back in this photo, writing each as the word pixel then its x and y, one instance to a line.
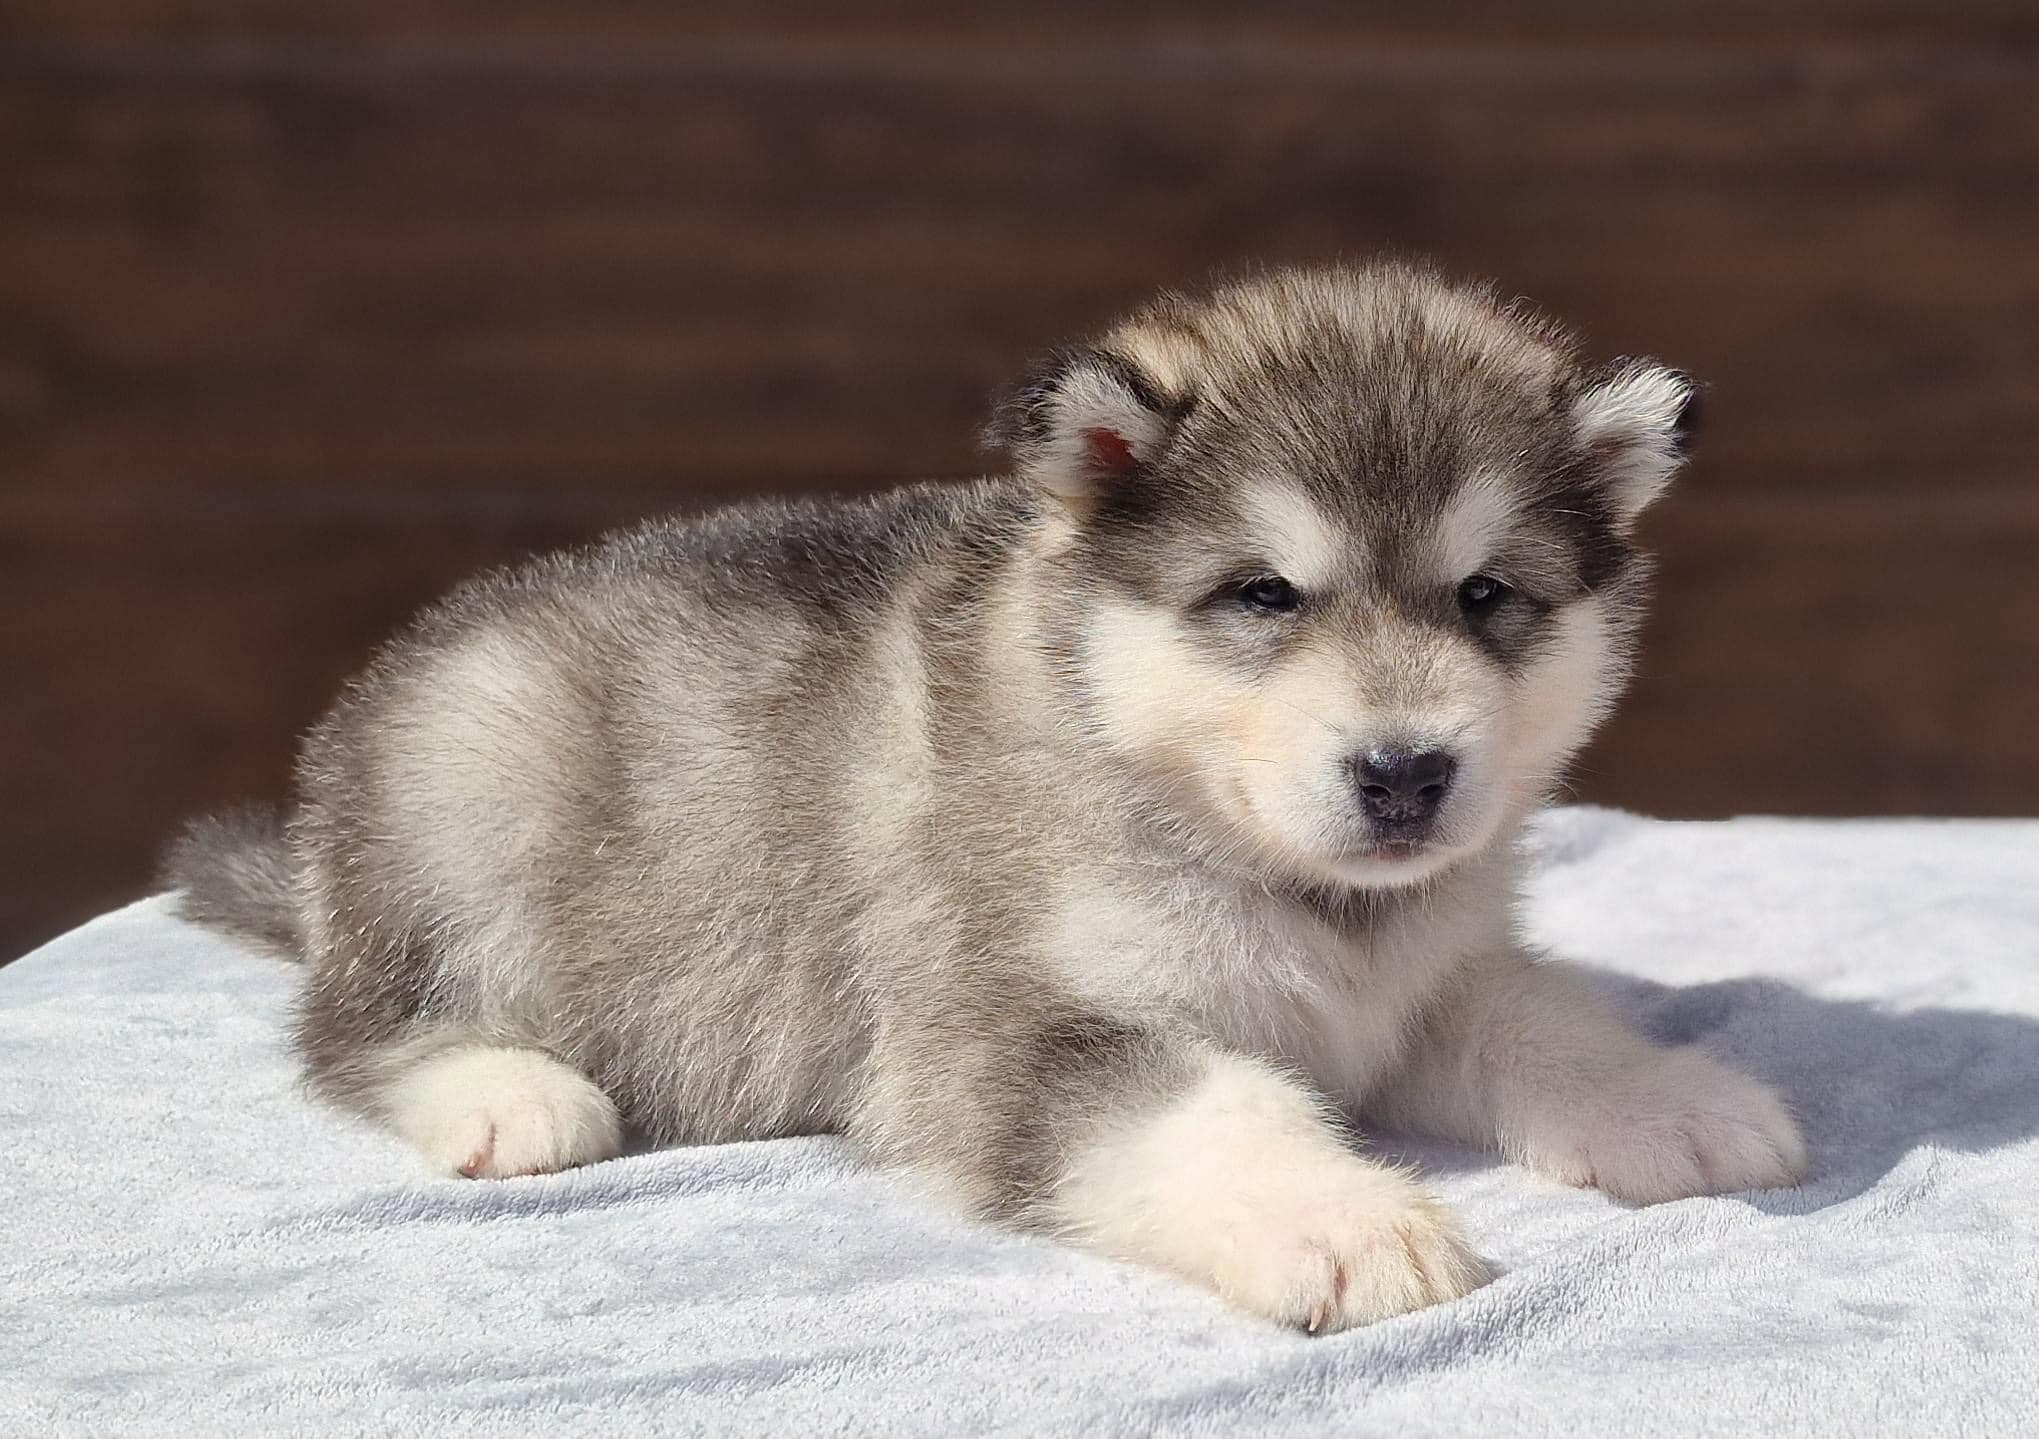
pixel 549 808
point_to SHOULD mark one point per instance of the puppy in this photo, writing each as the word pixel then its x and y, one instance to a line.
pixel 1088 840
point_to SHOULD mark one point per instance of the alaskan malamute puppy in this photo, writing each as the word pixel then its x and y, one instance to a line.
pixel 1088 840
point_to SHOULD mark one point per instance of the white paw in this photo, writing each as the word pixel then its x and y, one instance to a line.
pixel 490 1113
pixel 1678 1124
pixel 1350 1246
pixel 1242 1185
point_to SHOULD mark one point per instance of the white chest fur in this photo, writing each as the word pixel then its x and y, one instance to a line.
pixel 1276 978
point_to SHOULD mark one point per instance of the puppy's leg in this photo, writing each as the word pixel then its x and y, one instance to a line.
pixel 1241 1182
pixel 1207 1164
pixel 474 1100
pixel 1521 1057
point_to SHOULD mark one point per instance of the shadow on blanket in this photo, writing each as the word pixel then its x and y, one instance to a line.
pixel 1870 1085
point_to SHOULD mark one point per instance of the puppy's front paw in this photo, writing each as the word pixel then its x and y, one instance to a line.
pixel 1352 1245
pixel 1243 1186
pixel 1677 1125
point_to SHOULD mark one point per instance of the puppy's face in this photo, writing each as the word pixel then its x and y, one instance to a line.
pixel 1350 559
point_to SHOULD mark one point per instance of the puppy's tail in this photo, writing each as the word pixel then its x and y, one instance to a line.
pixel 236 876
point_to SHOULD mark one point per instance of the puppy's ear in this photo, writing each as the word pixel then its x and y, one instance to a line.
pixel 1636 420
pixel 1083 420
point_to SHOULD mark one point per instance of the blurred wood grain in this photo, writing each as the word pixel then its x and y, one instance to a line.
pixel 307 311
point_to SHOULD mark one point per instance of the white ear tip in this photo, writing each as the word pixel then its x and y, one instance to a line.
pixel 1639 401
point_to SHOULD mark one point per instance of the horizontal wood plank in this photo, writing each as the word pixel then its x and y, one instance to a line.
pixel 908 21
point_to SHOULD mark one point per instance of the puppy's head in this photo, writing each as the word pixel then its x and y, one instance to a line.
pixel 1345 556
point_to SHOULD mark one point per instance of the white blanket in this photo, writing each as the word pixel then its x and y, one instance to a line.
pixel 189 1246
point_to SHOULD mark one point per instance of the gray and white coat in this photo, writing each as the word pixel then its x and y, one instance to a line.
pixel 1094 841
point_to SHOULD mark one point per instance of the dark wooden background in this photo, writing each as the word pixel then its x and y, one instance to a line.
pixel 308 310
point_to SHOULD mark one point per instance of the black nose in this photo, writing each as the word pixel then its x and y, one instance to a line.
pixel 1401 789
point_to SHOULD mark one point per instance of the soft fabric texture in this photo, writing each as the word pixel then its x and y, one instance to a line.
pixel 190 1246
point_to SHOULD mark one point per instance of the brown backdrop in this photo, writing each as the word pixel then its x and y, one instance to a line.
pixel 306 311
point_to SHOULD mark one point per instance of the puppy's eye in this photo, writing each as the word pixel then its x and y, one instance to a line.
pixel 1482 595
pixel 1270 592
